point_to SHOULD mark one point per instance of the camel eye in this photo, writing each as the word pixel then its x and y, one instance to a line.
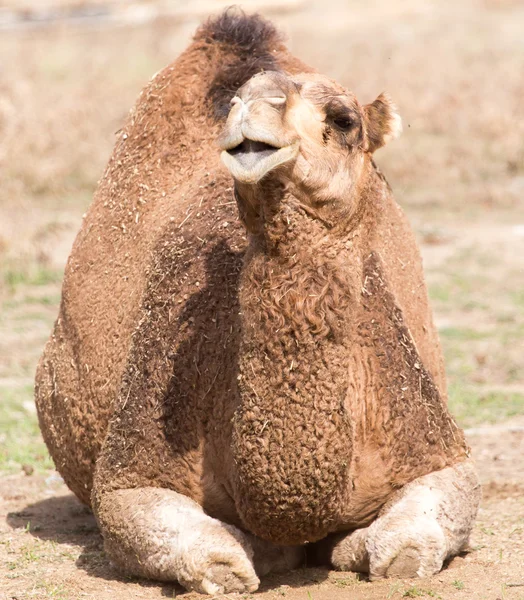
pixel 343 123
pixel 341 117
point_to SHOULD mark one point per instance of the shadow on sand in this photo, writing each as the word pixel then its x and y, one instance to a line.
pixel 65 520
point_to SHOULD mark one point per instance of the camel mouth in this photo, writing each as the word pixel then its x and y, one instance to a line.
pixel 250 160
pixel 249 151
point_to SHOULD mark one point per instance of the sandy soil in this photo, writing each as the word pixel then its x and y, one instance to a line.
pixel 51 546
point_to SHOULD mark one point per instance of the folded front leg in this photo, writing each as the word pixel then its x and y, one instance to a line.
pixel 423 524
pixel 160 534
pixel 426 522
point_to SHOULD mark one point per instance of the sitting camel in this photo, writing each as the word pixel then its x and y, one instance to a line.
pixel 245 364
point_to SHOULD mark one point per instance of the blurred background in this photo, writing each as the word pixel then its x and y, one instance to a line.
pixel 71 70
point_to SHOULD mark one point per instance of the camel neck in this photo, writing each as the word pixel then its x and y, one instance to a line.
pixel 292 435
pixel 297 311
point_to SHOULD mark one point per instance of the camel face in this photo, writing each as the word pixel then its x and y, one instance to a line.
pixel 306 133
pixel 259 136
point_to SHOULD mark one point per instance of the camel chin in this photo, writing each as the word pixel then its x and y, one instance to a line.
pixel 245 369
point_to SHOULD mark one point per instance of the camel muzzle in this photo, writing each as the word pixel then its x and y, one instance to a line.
pixel 249 152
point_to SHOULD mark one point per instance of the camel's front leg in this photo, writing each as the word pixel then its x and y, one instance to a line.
pixel 159 534
pixel 423 524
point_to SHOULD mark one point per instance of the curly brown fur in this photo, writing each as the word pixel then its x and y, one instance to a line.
pixel 251 42
pixel 414 418
pixel 307 303
pixel 293 363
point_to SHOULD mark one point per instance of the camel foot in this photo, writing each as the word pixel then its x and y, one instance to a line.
pixel 270 558
pixel 159 534
pixel 422 525
pixel 348 551
pixel 426 522
pixel 407 549
pixel 218 561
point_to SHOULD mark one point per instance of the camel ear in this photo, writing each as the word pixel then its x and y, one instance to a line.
pixel 382 122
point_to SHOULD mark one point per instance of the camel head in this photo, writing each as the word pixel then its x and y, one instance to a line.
pixel 303 137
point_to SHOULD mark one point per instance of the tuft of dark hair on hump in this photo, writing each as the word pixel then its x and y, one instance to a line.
pixel 252 40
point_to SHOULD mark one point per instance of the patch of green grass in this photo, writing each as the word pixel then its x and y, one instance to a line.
pixel 394 589
pixel 472 406
pixel 29 554
pixel 416 592
pixel 487 356
pixel 31 274
pixel 51 590
pixel 46 300
pixel 458 584
pixel 458 290
pixel 20 439
pixel 345 582
pixel 462 334
pixel 439 292
pixel 413 592
pixel 518 298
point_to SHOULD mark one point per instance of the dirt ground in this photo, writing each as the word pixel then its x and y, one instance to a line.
pixel 456 71
pixel 51 546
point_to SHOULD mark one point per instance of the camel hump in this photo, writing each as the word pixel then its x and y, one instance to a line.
pixel 251 44
pixel 248 34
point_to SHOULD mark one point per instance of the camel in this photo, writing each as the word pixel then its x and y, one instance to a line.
pixel 244 366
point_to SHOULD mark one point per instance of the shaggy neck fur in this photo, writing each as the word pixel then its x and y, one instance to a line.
pixel 292 435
